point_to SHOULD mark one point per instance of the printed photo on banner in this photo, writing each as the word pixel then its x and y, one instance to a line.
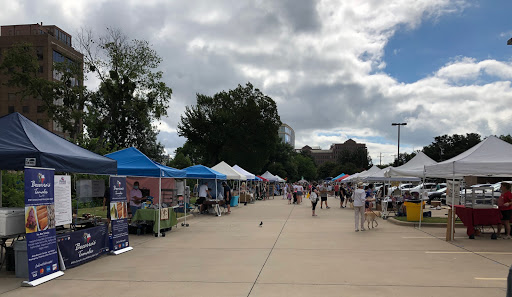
pixel 118 210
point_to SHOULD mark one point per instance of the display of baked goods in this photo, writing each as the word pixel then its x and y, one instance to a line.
pixel 42 217
pixel 120 210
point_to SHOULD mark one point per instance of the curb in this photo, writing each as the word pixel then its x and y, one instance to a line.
pixel 189 217
pixel 416 224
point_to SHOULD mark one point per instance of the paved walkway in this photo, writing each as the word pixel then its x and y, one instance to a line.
pixel 292 254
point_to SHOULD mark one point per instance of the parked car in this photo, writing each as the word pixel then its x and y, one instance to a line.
pixel 436 195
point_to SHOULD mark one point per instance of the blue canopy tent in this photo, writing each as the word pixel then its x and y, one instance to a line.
pixel 132 162
pixel 23 139
pixel 335 178
pixel 23 142
pixel 203 172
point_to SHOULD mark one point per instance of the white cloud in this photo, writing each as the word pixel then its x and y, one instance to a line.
pixel 322 61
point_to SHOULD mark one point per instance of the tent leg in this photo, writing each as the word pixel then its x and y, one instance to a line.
pixel 159 202
pixel 0 188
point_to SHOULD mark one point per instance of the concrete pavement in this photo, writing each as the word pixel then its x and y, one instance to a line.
pixel 292 254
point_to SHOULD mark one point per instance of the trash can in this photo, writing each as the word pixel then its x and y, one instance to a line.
pixel 234 201
pixel 413 209
pixel 21 258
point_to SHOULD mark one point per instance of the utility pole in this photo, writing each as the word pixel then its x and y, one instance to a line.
pixel 380 159
pixel 398 124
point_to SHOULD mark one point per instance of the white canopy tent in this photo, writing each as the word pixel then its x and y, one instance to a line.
pixel 373 170
pixel 353 177
pixel 414 167
pixel 247 174
pixel 381 176
pixel 230 173
pixel 491 157
pixel 269 176
pixel 279 179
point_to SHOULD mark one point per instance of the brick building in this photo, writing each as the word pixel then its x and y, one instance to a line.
pixel 51 44
pixel 331 155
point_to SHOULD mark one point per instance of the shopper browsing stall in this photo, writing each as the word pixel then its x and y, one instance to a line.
pixel 505 206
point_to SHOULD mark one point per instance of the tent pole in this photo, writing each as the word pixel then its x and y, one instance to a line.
pixel 0 188
pixel 421 197
pixel 185 201
pixel 159 200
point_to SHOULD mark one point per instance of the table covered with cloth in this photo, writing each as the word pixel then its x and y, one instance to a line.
pixel 472 217
pixel 150 214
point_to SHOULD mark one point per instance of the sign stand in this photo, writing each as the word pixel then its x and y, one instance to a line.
pixel 42 280
pixel 127 249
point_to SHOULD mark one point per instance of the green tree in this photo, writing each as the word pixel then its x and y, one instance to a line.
pixel 353 161
pixel 445 147
pixel 326 170
pixel 305 167
pixel 13 189
pixel 239 126
pixel 506 138
pixel 131 94
pixel 180 161
pixel 64 98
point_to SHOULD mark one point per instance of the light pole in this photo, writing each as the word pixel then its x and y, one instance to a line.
pixel 398 156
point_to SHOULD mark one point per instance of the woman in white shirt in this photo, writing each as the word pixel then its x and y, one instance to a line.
pixel 359 197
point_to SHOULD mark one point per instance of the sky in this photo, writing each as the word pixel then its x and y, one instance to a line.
pixel 336 69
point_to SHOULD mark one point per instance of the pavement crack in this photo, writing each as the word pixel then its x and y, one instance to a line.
pixel 259 273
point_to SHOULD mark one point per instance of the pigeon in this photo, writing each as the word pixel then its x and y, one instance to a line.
pixel 245 204
pixel 261 224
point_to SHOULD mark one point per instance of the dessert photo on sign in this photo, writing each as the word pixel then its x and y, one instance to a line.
pixel 42 217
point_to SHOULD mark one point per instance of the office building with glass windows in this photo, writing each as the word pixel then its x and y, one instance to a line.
pixel 287 134
pixel 51 44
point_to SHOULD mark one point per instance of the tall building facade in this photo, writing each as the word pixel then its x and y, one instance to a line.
pixel 51 45
pixel 287 134
pixel 331 155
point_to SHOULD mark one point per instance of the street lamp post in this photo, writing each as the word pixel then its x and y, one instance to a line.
pixel 398 156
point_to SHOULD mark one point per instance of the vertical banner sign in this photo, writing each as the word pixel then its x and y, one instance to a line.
pixel 119 212
pixel 40 222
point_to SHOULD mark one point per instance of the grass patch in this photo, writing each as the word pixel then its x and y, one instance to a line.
pixel 428 220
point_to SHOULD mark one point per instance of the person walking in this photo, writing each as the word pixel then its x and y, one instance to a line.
pixel 314 199
pixel 342 192
pixel 227 195
pixel 336 191
pixel 359 197
pixel 324 190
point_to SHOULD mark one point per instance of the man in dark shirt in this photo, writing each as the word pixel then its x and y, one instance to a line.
pixel 227 195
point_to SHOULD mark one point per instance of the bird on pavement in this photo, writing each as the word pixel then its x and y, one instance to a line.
pixel 261 224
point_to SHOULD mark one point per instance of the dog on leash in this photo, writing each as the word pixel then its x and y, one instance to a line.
pixel 371 216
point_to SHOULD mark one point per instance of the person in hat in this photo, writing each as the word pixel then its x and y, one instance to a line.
pixel 359 197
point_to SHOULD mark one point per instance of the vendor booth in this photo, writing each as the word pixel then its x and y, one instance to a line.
pixel 250 195
pixel 491 157
pixel 25 146
pixel 157 184
pixel 213 179
pixel 233 175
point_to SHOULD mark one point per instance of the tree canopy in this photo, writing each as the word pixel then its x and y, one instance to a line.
pixel 448 146
pixel 131 95
pixel 238 126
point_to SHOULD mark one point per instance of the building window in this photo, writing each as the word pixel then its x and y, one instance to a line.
pixel 10 32
pixel 11 109
pixel 18 32
pixel 25 109
pixel 39 53
pixel 40 109
pixel 41 69
pixel 11 96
